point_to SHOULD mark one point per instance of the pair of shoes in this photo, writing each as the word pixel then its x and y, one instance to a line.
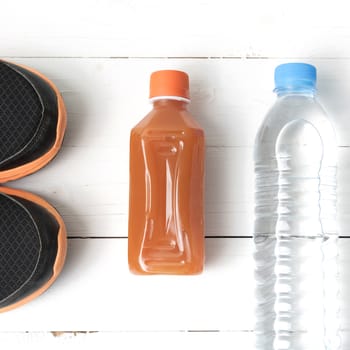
pixel 32 233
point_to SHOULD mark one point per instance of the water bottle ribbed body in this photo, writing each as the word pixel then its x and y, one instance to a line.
pixel 295 233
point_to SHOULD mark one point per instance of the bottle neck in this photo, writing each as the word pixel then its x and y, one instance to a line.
pixel 281 92
pixel 169 101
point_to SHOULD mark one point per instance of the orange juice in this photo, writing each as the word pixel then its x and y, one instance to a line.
pixel 166 203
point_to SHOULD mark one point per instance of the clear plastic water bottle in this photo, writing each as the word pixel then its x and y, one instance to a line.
pixel 295 232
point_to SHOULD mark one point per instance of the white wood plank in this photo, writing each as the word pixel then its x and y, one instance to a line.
pixel 88 181
pixel 198 28
pixel 96 292
pixel 133 340
pixel 127 340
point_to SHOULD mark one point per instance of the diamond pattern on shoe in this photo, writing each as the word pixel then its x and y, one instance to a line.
pixel 20 112
pixel 20 246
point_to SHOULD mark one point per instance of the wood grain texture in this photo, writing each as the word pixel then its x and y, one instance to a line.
pixel 199 28
pixel 96 292
pixel 133 340
pixel 127 340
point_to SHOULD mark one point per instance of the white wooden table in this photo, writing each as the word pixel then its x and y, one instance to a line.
pixel 100 54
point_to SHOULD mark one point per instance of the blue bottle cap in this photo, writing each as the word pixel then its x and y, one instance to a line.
pixel 295 77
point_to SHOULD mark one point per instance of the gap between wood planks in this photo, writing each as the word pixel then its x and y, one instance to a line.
pixel 76 333
pixel 247 57
pixel 207 237
pixel 125 237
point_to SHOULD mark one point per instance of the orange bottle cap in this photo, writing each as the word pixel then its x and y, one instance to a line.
pixel 169 84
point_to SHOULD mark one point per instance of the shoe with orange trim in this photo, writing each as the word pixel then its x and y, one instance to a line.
pixel 32 121
pixel 32 247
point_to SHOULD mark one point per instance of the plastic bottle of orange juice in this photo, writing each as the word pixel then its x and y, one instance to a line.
pixel 166 220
